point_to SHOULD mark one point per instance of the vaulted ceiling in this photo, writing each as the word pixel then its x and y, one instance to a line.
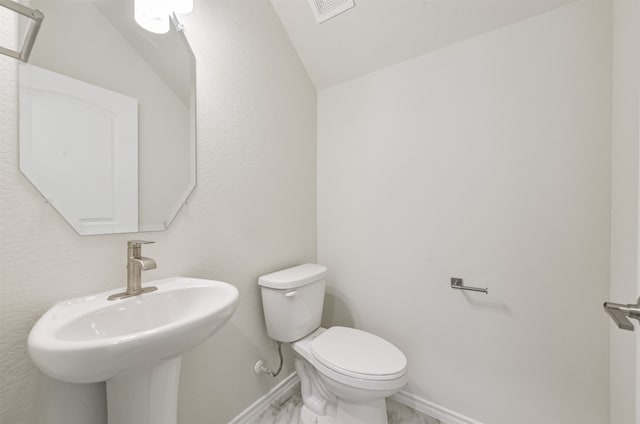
pixel 378 33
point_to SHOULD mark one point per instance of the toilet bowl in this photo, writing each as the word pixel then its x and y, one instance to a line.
pixel 345 373
pixel 348 374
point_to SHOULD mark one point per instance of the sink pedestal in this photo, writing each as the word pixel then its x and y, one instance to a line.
pixel 145 396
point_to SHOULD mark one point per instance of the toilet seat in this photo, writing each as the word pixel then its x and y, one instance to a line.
pixel 369 382
pixel 358 354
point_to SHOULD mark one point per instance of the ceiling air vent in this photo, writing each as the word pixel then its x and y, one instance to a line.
pixel 327 9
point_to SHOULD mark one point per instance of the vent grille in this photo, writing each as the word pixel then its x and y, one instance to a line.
pixel 327 9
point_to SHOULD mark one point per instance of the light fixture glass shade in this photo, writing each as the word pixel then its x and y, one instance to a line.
pixel 181 6
pixel 152 15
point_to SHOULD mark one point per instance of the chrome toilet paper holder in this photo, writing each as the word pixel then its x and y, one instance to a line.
pixel 458 283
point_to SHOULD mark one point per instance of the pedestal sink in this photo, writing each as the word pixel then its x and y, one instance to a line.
pixel 134 344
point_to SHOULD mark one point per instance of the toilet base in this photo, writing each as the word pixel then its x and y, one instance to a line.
pixel 322 406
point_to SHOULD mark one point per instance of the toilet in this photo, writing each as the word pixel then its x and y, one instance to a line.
pixel 345 373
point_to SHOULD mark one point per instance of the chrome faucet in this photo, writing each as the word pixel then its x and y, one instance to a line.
pixel 136 263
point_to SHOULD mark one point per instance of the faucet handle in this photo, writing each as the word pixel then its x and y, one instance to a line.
pixel 137 243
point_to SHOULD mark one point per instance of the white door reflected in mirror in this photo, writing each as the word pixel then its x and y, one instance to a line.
pixel 79 147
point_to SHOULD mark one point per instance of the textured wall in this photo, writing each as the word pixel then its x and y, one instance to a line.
pixel 487 160
pixel 253 212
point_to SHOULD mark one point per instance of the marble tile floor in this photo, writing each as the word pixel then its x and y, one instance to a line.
pixel 288 412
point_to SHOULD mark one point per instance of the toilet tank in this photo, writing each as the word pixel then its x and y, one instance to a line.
pixel 292 300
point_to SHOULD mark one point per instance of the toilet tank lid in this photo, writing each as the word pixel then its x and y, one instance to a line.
pixel 293 277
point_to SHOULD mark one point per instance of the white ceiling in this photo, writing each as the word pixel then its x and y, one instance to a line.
pixel 378 33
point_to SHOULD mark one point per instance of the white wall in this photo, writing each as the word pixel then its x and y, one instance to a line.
pixel 253 212
pixel 624 202
pixel 487 160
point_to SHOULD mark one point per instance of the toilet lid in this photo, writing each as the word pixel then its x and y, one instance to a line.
pixel 358 354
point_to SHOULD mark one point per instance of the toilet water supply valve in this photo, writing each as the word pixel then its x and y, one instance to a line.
pixel 260 367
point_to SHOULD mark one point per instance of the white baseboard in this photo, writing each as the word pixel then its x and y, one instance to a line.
pixel 431 409
pixel 259 407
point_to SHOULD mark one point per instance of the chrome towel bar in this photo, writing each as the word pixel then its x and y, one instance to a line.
pixel 458 283
pixel 36 17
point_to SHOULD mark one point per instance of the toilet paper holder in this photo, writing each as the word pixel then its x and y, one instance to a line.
pixel 458 283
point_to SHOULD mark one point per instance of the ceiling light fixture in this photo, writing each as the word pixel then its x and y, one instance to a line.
pixel 155 15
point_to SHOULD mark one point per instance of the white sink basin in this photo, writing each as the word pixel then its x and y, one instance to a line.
pixel 92 339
